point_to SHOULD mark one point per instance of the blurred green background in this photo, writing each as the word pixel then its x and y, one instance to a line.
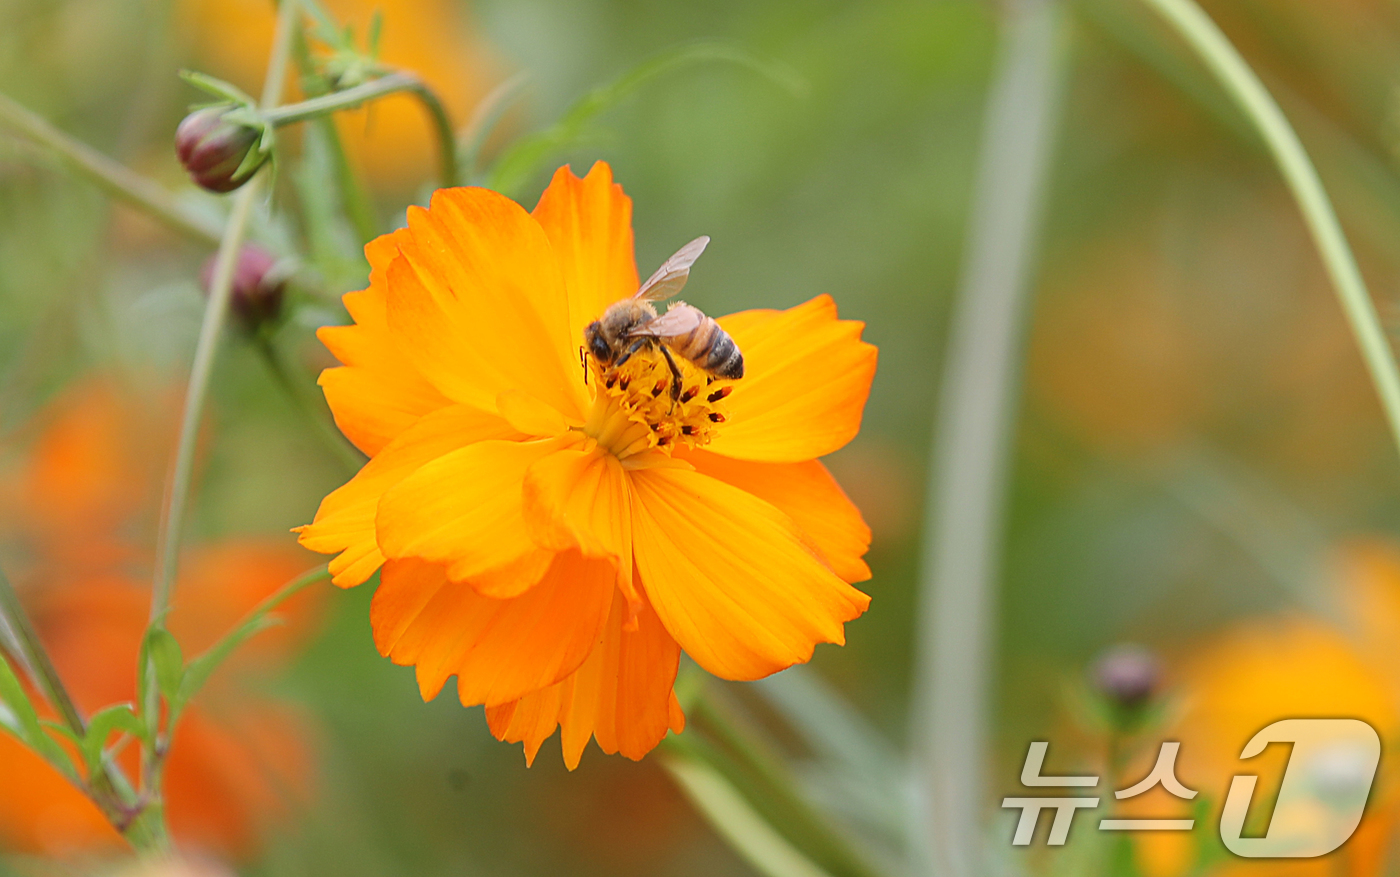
pixel 1196 440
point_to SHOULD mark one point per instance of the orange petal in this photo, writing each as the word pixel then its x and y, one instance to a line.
pixel 477 303
pixel 730 577
pixel 806 492
pixel 499 650
pixel 807 375
pixel 345 520
pixel 621 696
pixel 531 720
pixel 377 394
pixel 578 497
pixel 589 224
pixel 529 415
pixel 463 510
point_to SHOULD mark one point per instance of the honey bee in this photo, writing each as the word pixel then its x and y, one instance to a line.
pixel 632 324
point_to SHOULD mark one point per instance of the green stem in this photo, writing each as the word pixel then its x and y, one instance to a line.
pixel 177 497
pixel 110 176
pixel 352 194
pixel 221 285
pixel 147 831
pixel 393 83
pixel 1244 87
pixel 971 452
pixel 102 786
pixel 483 121
pixel 198 671
pixel 348 99
pixel 333 439
pixel 36 657
pixel 773 786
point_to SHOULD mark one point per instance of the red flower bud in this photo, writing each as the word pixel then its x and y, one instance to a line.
pixel 258 287
pixel 213 149
pixel 1127 675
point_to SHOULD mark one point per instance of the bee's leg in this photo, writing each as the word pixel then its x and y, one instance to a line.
pixel 636 345
pixel 583 363
pixel 675 373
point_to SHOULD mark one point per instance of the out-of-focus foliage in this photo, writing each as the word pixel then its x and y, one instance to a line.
pixel 1197 441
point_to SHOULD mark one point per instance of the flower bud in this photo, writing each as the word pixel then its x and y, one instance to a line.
pixel 1127 675
pixel 258 286
pixel 220 154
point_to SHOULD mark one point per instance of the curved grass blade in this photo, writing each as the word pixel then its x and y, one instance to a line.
pixel 484 119
pixel 741 826
pixel 1243 86
pixel 515 168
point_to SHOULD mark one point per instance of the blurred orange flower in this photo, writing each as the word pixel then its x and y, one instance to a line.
pixel 555 541
pixel 1263 671
pixel 236 756
pixel 392 139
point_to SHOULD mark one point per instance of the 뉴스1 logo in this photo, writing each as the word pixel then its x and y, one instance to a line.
pixel 1320 802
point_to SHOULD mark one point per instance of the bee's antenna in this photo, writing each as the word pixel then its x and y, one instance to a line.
pixel 583 361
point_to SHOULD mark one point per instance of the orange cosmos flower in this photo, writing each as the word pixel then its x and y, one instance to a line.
pixel 554 542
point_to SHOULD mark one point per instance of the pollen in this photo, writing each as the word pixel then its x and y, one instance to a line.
pixel 635 408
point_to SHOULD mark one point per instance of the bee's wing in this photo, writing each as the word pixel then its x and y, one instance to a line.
pixel 679 320
pixel 670 278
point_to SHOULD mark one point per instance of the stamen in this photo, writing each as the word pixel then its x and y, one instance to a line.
pixel 626 422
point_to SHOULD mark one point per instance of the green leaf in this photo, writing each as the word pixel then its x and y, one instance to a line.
pixel 202 667
pixel 26 725
pixel 163 651
pixel 61 730
pixel 102 725
pixel 217 87
pixel 516 166
pixel 376 30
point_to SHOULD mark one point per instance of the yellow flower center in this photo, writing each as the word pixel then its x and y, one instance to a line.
pixel 635 409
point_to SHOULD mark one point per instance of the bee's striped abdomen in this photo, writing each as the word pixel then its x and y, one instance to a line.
pixel 711 348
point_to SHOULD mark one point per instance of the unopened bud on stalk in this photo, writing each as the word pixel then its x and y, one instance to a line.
pixel 220 151
pixel 258 286
pixel 1127 676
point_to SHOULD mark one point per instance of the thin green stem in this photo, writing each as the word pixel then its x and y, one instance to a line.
pixel 1244 87
pixel 970 455
pixel 106 780
pixel 351 190
pixel 771 781
pixel 334 441
pixel 221 285
pixel 349 99
pixel 483 122
pixel 177 496
pixel 442 127
pixel 110 176
pixel 36 657
pixel 400 82
pixel 198 671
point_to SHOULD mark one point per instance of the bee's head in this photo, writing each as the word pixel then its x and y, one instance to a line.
pixel 597 344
